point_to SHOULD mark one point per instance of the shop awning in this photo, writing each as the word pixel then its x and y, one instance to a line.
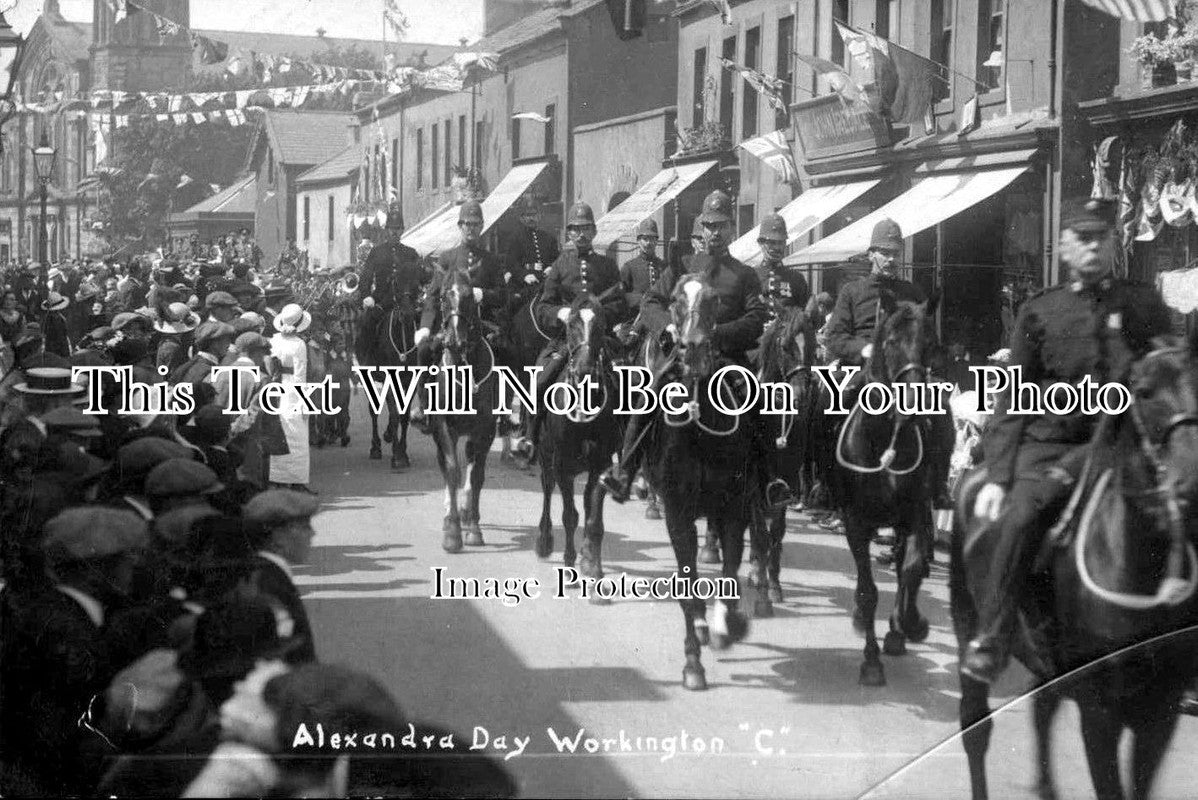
pixel 645 201
pixel 431 233
pixel 802 215
pixel 509 190
pixel 927 203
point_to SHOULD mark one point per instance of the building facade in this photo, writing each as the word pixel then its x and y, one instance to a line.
pixel 323 195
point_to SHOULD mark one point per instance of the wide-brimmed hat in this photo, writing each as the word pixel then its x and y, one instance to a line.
pixel 55 302
pixel 292 319
pixel 179 318
pixel 48 381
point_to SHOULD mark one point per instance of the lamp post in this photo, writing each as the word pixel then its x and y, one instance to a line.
pixel 43 164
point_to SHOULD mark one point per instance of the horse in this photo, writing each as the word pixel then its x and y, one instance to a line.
pixel 525 340
pixel 393 344
pixel 696 461
pixel 581 440
pixel 786 354
pixel 1119 595
pixel 463 343
pixel 880 480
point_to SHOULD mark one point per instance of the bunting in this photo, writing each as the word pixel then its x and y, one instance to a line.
pixel 768 86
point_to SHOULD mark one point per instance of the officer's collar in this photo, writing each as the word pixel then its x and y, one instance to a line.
pixel 1103 286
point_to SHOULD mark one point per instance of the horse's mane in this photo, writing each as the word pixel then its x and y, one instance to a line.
pixel 785 329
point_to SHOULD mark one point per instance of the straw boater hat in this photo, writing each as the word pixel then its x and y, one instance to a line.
pixel 179 318
pixel 55 302
pixel 48 381
pixel 292 319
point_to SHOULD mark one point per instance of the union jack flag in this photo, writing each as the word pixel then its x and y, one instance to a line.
pixel 774 151
pixel 769 86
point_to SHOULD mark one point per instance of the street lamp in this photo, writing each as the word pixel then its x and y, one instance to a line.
pixel 43 164
pixel 11 44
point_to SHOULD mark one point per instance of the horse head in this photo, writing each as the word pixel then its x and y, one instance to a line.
pixel 586 329
pixel 459 313
pixel 694 314
pixel 788 348
pixel 1164 408
pixel 903 345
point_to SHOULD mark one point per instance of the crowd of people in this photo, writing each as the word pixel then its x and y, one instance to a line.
pixel 152 639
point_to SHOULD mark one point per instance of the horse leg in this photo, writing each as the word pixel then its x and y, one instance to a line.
pixel 730 625
pixel 774 562
pixel 565 484
pixel 1045 703
pixel 976 727
pixel 399 456
pixel 1153 731
pixel 653 509
pixel 376 447
pixel 1100 734
pixel 451 474
pixel 684 540
pixel 476 473
pixel 544 543
pixel 859 536
pixel 710 554
pixel 759 534
pixel 592 535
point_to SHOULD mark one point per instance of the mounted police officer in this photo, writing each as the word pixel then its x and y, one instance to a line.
pixel 385 261
pixel 1092 326
pixel 486 277
pixel 782 287
pixel 851 328
pixel 643 272
pixel 578 271
pixel 532 250
pixel 740 318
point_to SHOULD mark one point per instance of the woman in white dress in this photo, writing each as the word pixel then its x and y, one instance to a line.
pixel 291 351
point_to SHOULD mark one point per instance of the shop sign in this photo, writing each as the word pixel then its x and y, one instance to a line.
pixel 828 126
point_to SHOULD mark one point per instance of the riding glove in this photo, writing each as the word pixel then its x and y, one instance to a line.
pixel 421 335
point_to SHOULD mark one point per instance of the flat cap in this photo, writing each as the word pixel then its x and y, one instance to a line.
pixel 71 420
pixel 214 330
pixel 215 299
pixel 91 532
pixel 126 318
pixel 251 340
pixel 276 506
pixel 179 477
pixel 141 455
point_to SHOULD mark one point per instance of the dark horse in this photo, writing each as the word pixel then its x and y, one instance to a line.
pixel 880 479
pixel 525 341
pixel 1118 585
pixel 582 440
pixel 463 343
pixel 392 344
pixel 786 354
pixel 697 461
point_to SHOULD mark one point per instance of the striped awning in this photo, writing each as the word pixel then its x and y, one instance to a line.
pixel 1138 10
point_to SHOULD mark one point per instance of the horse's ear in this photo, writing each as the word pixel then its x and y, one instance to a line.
pixel 929 308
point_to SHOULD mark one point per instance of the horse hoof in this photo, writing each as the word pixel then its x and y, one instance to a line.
pixel 872 674
pixel 388 437
pixel 763 608
pixel 544 546
pixel 738 626
pixel 894 644
pixel 376 455
pixel 919 632
pixel 589 568
pixel 694 678
pixel 710 554
pixel 775 593
pixel 452 543
pixel 400 462
pixel 702 633
pixel 345 442
pixel 474 536
pixel 652 512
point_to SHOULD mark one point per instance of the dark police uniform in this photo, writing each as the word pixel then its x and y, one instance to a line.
pixel 533 250
pixel 782 288
pixel 639 276
pixel 483 271
pixel 855 316
pixel 382 264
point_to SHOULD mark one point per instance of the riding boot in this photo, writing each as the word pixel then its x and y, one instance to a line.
pixel 617 479
pixel 552 360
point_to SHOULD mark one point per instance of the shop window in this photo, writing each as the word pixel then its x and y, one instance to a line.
pixel 941 49
pixel 990 55
pixel 840 13
pixel 420 158
pixel 448 153
pixel 784 69
pixel 699 88
pixel 749 97
pixel 434 156
pixel 726 83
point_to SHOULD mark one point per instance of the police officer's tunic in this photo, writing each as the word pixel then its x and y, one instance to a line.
pixel 854 318
pixel 639 275
pixel 782 288
pixel 484 272
pixel 573 275
pixel 378 273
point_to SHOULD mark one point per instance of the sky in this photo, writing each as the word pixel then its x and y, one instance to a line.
pixel 431 21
